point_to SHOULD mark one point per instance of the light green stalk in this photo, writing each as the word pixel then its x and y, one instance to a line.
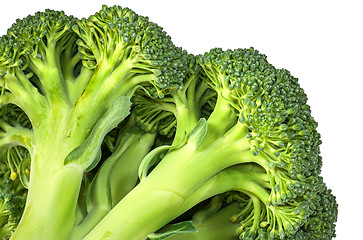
pixel 53 187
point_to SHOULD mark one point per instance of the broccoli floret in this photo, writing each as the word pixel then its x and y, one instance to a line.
pixel 131 51
pixel 260 120
pixel 11 210
pixel 12 199
pixel 9 215
pixel 58 69
pixel 321 222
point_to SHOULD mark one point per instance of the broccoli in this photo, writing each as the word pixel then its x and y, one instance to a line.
pixel 58 69
pixel 142 140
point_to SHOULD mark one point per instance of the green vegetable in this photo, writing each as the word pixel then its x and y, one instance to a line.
pixel 110 131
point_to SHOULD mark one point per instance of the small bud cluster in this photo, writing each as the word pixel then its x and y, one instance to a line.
pixel 119 33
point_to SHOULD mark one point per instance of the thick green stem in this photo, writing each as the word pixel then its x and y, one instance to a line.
pixel 53 188
pixel 151 209
pixel 51 206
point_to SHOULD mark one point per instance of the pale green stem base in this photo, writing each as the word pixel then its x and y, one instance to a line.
pixel 51 206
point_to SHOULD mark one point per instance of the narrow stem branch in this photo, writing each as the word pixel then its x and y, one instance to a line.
pixel 34 106
pixel 17 136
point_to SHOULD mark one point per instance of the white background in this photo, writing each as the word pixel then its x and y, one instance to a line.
pixel 320 42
